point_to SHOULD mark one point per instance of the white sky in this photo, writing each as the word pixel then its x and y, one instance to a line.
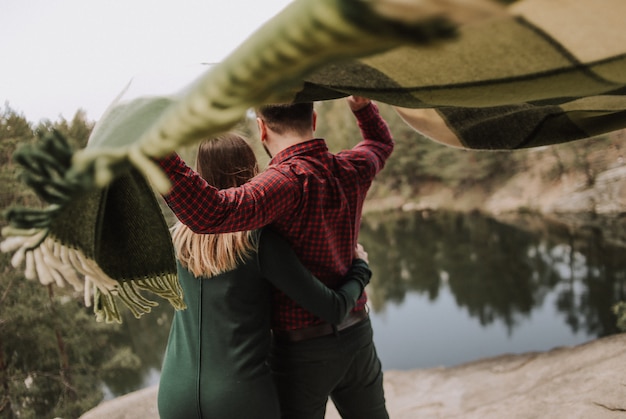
pixel 57 56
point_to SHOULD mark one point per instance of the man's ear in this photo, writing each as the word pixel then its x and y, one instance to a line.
pixel 314 120
pixel 262 129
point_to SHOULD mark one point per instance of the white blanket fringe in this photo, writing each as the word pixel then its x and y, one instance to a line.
pixel 51 262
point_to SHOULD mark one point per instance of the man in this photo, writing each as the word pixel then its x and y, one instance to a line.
pixel 314 199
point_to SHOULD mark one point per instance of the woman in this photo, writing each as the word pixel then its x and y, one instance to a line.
pixel 215 361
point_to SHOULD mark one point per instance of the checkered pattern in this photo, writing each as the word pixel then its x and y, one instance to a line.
pixel 312 197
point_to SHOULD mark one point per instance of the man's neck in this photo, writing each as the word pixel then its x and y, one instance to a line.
pixel 284 142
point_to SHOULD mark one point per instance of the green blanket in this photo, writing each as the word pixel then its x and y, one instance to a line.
pixel 548 73
pixel 466 73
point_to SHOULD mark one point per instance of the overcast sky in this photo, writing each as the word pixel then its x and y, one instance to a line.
pixel 61 55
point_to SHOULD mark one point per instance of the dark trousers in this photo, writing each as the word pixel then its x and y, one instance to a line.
pixel 344 366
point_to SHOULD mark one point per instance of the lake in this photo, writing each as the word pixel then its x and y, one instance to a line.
pixel 450 288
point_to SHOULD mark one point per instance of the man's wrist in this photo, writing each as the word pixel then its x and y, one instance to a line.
pixel 363 108
pixel 367 113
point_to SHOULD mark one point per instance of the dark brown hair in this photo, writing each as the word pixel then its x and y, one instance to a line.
pixel 281 118
pixel 226 161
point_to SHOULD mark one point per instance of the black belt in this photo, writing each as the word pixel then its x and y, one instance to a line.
pixel 320 330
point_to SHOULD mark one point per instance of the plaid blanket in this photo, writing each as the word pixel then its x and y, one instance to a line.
pixel 540 72
pixel 548 72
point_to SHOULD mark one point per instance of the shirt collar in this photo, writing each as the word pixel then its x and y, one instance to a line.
pixel 316 145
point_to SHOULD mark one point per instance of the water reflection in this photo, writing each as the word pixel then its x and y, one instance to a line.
pixel 450 288
pixel 438 274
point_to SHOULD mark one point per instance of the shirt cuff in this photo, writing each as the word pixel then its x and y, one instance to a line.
pixel 172 160
pixel 368 113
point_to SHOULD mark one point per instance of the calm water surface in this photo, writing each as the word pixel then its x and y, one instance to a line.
pixel 451 288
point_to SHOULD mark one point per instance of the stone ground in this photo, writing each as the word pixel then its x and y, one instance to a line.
pixel 586 381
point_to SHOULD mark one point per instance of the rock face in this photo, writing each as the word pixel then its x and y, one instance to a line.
pixel 570 194
pixel 585 381
pixel 529 190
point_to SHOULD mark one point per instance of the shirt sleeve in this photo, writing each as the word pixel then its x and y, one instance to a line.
pixel 206 209
pixel 280 265
pixel 377 144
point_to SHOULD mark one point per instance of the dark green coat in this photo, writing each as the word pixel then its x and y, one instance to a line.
pixel 215 361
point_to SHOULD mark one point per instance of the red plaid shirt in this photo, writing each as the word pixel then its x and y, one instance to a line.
pixel 312 197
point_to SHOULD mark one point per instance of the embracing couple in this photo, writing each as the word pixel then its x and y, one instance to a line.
pixel 273 276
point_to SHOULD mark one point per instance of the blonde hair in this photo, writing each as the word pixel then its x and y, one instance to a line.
pixel 211 254
pixel 225 161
